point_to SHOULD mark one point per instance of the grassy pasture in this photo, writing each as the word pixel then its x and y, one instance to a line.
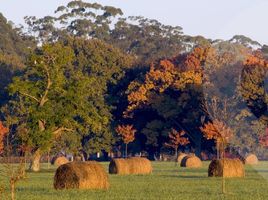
pixel 167 182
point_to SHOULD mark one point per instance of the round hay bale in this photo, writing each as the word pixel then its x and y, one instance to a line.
pixel 81 175
pixel 226 168
pixel 191 162
pixel 60 161
pixel 119 166
pixel 138 165
pixel 180 157
pixel 251 159
pixel 135 165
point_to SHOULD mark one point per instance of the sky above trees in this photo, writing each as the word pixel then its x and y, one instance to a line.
pixel 211 18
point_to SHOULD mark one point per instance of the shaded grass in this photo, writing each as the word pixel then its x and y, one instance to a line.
pixel 167 182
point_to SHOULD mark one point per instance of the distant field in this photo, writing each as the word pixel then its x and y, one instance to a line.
pixel 166 182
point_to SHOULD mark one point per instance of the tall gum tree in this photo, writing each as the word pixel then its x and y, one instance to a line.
pixel 41 88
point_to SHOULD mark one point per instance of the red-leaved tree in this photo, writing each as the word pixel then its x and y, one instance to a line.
pixel 127 133
pixel 218 131
pixel 176 139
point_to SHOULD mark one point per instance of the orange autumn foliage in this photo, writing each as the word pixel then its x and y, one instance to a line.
pixel 218 131
pixel 255 59
pixel 176 139
pixel 175 73
pixel 196 58
pixel 127 132
pixel 3 134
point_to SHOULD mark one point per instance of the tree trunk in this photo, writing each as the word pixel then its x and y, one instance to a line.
pixel 223 157
pixel 176 156
pixel 12 189
pixel 218 149
pixel 126 152
pixel 48 159
pixel 35 161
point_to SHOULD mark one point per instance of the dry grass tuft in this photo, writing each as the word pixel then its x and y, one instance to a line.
pixel 230 168
pixel 81 175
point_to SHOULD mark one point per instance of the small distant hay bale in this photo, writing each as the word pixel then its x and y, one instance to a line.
pixel 180 157
pixel 58 161
pixel 191 162
pixel 226 168
pixel 251 159
pixel 135 165
pixel 81 175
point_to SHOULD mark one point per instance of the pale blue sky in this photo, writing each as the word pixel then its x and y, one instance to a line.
pixel 210 18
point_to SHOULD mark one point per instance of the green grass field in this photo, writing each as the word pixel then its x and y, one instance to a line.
pixel 166 182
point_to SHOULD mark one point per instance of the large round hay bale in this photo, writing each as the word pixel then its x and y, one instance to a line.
pixel 81 175
pixel 251 159
pixel 58 161
pixel 138 165
pixel 226 168
pixel 191 162
pixel 119 166
pixel 135 165
pixel 180 157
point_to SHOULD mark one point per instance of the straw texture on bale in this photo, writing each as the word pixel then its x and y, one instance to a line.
pixel 58 161
pixel 119 166
pixel 127 166
pixel 81 175
pixel 251 159
pixel 230 168
pixel 191 162
pixel 180 157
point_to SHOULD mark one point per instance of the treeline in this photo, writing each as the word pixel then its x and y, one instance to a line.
pixel 68 80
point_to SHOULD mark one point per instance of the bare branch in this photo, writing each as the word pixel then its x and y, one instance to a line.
pixel 44 98
pixel 58 131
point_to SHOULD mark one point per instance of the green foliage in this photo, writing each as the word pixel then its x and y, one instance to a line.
pixel 63 89
pixel 14 47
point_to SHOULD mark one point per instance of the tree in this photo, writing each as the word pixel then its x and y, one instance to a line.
pixel 51 90
pixel 167 92
pixel 13 173
pixel 252 85
pixel 176 139
pixel 14 48
pixel 41 90
pixel 147 39
pixel 127 133
pixel 105 66
pixel 219 132
pixel 77 18
pixel 245 41
pixel 64 89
